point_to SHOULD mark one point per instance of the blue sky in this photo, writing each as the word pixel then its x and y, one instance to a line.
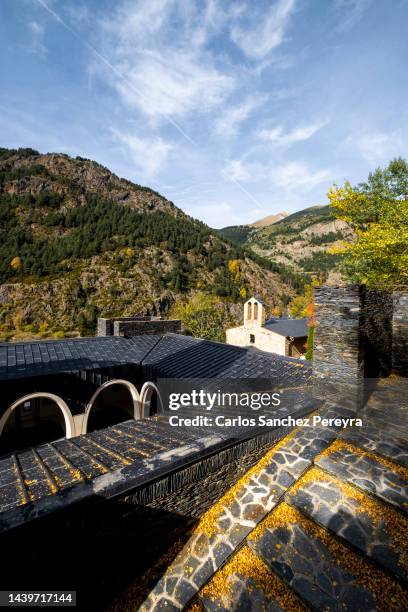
pixel 232 109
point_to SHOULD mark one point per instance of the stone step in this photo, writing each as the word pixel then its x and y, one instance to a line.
pixel 324 573
pixel 378 441
pixel 370 526
pixel 243 595
pixel 150 436
pixel 246 584
pixel 225 526
pixel 385 421
pixel 370 474
pixel 158 430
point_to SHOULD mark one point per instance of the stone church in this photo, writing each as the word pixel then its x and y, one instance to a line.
pixel 280 335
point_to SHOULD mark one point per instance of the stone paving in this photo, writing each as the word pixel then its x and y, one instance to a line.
pixel 379 442
pixel 308 566
pixel 236 516
pixel 322 518
pixel 367 473
pixel 364 524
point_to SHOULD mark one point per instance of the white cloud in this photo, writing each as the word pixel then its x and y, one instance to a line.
pixel 268 31
pixel 229 122
pixel 292 176
pixel 297 176
pixel 36 44
pixel 217 214
pixel 175 84
pixel 350 13
pixel 239 170
pixel 78 14
pixel 158 47
pixel 148 154
pixel 278 136
pixel 377 147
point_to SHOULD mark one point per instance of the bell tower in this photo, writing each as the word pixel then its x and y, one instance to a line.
pixel 254 312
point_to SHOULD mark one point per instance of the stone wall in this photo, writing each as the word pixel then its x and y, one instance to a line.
pixel 361 335
pixel 136 326
pixel 400 333
pixel 377 333
pixel 265 340
pixel 338 365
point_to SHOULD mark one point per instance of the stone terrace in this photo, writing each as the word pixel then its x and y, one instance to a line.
pixel 320 522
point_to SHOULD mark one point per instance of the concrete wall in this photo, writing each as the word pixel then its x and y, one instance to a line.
pixel 265 340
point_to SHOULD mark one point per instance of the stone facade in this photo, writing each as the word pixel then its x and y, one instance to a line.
pixel 400 333
pixel 361 335
pixel 377 333
pixel 254 333
pixel 262 338
pixel 136 326
pixel 338 365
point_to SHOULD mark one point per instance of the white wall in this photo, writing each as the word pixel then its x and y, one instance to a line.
pixel 265 340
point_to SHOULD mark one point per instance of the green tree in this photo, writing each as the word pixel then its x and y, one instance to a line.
pixel 203 316
pixel 377 210
pixel 87 320
pixel 310 342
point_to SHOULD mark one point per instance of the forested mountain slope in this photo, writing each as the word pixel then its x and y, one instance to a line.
pixel 301 241
pixel 77 242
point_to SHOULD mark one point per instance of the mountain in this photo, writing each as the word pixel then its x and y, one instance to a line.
pixel 77 242
pixel 238 234
pixel 269 220
pixel 301 241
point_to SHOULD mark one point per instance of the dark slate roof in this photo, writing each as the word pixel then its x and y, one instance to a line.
pixel 179 356
pixel 258 299
pixel 168 356
pixel 296 328
pixel 25 359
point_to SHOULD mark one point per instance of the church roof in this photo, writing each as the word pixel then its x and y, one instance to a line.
pixel 297 328
pixel 258 299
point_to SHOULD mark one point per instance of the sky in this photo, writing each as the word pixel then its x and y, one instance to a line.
pixel 232 109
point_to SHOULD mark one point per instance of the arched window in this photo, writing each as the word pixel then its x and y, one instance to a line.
pixel 249 311
pixel 35 419
pixel 151 400
pixel 113 402
pixel 255 311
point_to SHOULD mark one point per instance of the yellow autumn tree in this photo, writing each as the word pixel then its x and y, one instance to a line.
pixel 302 305
pixel 16 264
pixel 377 210
pixel 233 267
